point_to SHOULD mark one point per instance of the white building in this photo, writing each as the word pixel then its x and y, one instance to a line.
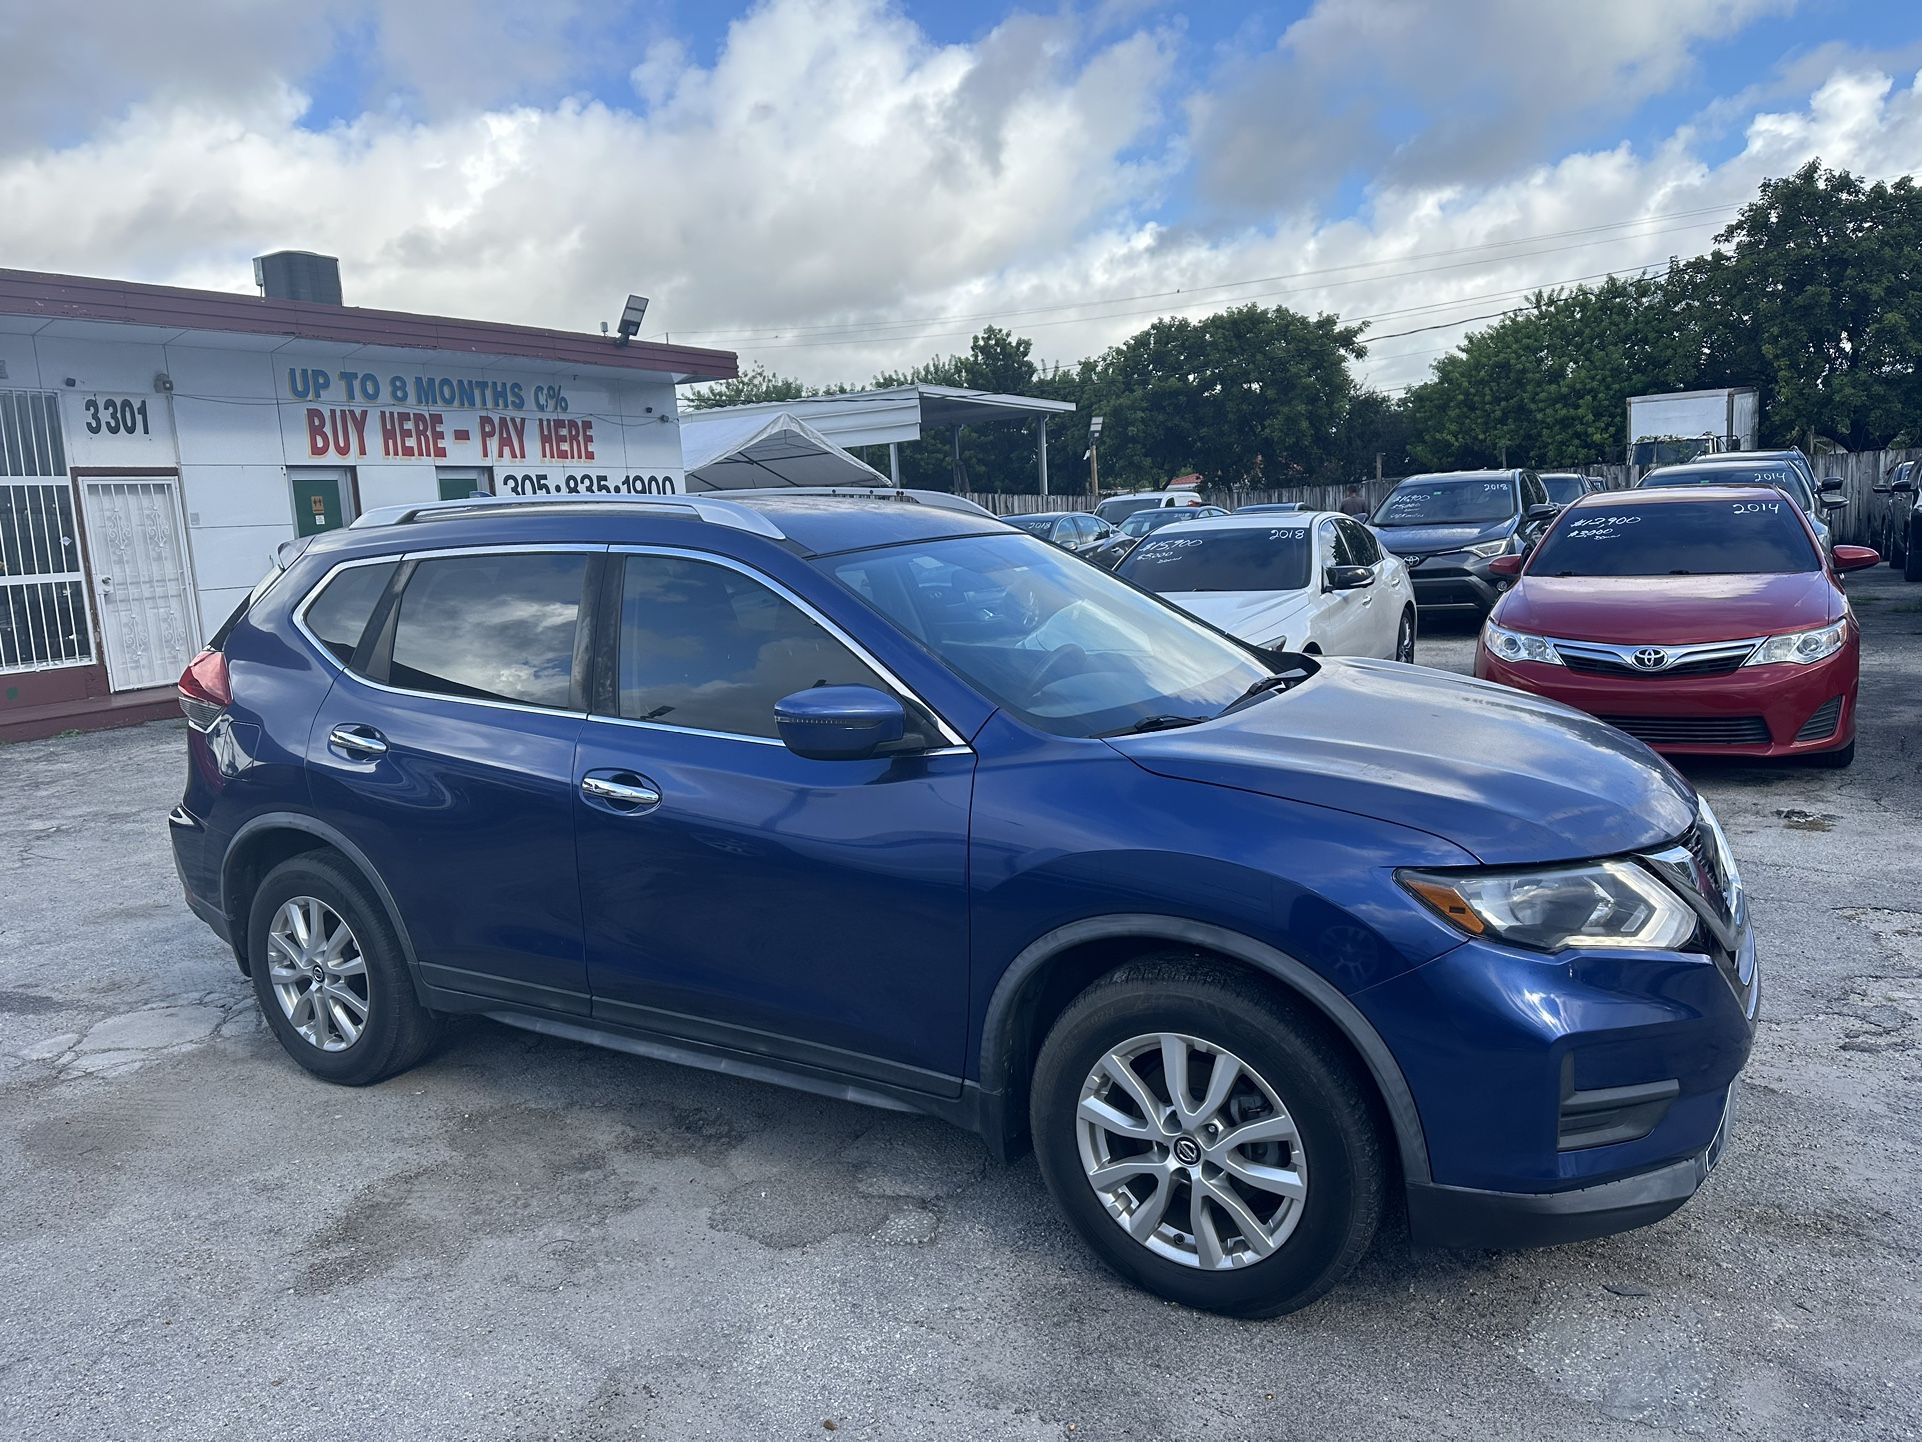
pixel 156 444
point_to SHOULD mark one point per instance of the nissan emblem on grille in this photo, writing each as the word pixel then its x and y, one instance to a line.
pixel 1650 658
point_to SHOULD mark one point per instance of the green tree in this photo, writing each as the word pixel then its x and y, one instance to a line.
pixel 752 388
pixel 1814 294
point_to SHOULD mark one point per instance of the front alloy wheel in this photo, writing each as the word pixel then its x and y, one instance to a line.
pixel 1191 1152
pixel 1176 1106
pixel 318 974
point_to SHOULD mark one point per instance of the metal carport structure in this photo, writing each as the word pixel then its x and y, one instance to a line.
pixel 906 413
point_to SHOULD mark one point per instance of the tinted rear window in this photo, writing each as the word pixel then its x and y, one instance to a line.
pixel 1271 559
pixel 1563 489
pixel 339 614
pixel 1034 525
pixel 496 627
pixel 1763 536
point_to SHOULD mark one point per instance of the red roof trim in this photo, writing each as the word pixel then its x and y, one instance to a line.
pixel 75 297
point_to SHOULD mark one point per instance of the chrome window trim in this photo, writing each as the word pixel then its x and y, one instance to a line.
pixel 399 557
pixel 949 734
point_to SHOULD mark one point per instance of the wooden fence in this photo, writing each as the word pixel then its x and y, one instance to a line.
pixel 1854 524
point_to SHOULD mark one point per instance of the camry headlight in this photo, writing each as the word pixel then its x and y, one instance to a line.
pixel 1602 904
pixel 1801 647
pixel 1518 645
pixel 1487 548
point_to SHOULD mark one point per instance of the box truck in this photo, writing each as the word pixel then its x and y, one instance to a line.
pixel 1679 426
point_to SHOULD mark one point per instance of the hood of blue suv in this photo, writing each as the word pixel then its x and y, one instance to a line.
pixel 1432 540
pixel 1508 777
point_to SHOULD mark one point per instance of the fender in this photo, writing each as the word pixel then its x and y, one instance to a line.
pixel 300 821
pixel 1000 1025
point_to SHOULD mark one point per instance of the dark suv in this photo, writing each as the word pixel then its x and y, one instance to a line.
pixel 1449 527
pixel 892 803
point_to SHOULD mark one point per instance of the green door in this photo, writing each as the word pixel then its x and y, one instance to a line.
pixel 317 505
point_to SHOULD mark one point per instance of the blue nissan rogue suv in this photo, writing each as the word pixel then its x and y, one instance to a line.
pixel 887 801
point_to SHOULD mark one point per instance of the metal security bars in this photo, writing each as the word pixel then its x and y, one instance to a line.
pixel 43 592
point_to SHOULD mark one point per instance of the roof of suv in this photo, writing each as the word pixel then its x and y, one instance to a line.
pixel 810 524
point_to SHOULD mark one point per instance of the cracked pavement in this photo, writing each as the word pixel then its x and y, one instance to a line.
pixel 530 1238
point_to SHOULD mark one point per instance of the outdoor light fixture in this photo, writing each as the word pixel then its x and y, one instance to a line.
pixel 1094 437
pixel 631 319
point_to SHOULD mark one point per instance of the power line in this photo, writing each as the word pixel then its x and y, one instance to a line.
pixel 779 332
pixel 755 349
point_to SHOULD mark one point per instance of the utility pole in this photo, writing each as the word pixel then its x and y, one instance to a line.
pixel 1041 452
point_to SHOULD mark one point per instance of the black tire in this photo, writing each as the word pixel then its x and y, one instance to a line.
pixel 1834 760
pixel 1314 1078
pixel 1405 635
pixel 398 1031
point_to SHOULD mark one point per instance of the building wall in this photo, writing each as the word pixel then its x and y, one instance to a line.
pixel 231 420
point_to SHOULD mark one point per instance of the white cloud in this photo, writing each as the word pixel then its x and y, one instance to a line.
pixel 833 167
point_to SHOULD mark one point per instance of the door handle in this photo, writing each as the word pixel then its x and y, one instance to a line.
pixel 361 740
pixel 634 793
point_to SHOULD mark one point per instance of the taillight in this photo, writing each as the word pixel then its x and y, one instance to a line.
pixel 204 691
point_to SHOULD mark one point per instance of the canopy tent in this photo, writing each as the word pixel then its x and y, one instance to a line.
pixel 734 450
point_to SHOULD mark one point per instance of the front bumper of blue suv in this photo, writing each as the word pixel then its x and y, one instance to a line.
pixel 1606 1082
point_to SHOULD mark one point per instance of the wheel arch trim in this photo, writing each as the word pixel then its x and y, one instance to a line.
pixel 321 831
pixel 999 1025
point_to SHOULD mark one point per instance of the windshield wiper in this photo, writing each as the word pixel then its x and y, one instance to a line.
pixel 1156 723
pixel 1258 689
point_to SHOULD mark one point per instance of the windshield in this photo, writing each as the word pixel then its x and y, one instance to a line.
pixel 1563 489
pixel 1692 538
pixel 1275 558
pixel 1442 501
pixel 1786 477
pixel 1061 644
pixel 1115 509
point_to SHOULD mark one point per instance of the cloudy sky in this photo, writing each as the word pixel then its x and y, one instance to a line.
pixel 833 186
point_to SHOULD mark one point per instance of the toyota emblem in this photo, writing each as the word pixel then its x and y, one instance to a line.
pixel 1650 658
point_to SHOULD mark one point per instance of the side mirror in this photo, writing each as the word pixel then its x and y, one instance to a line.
pixel 1542 515
pixel 1348 578
pixel 1856 558
pixel 1833 503
pixel 1510 566
pixel 1832 485
pixel 839 723
pixel 1902 487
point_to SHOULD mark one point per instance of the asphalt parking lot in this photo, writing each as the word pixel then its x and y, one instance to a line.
pixel 530 1238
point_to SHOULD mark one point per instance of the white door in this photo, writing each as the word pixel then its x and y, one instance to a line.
pixel 138 550
pixel 1341 624
pixel 1382 603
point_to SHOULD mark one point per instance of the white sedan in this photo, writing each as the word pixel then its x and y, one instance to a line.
pixel 1316 581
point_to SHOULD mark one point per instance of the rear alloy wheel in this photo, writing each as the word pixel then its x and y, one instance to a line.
pixel 1208 1139
pixel 330 974
pixel 1405 636
pixel 318 974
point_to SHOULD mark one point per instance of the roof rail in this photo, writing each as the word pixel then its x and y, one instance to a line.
pixel 701 508
pixel 940 500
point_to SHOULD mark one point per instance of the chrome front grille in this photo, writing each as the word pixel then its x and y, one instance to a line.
pixel 1713 658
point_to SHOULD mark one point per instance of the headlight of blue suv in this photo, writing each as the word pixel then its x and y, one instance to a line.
pixel 1487 548
pixel 1599 904
pixel 1801 647
pixel 1518 645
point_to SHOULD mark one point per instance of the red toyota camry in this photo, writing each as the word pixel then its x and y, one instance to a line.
pixel 1703 621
